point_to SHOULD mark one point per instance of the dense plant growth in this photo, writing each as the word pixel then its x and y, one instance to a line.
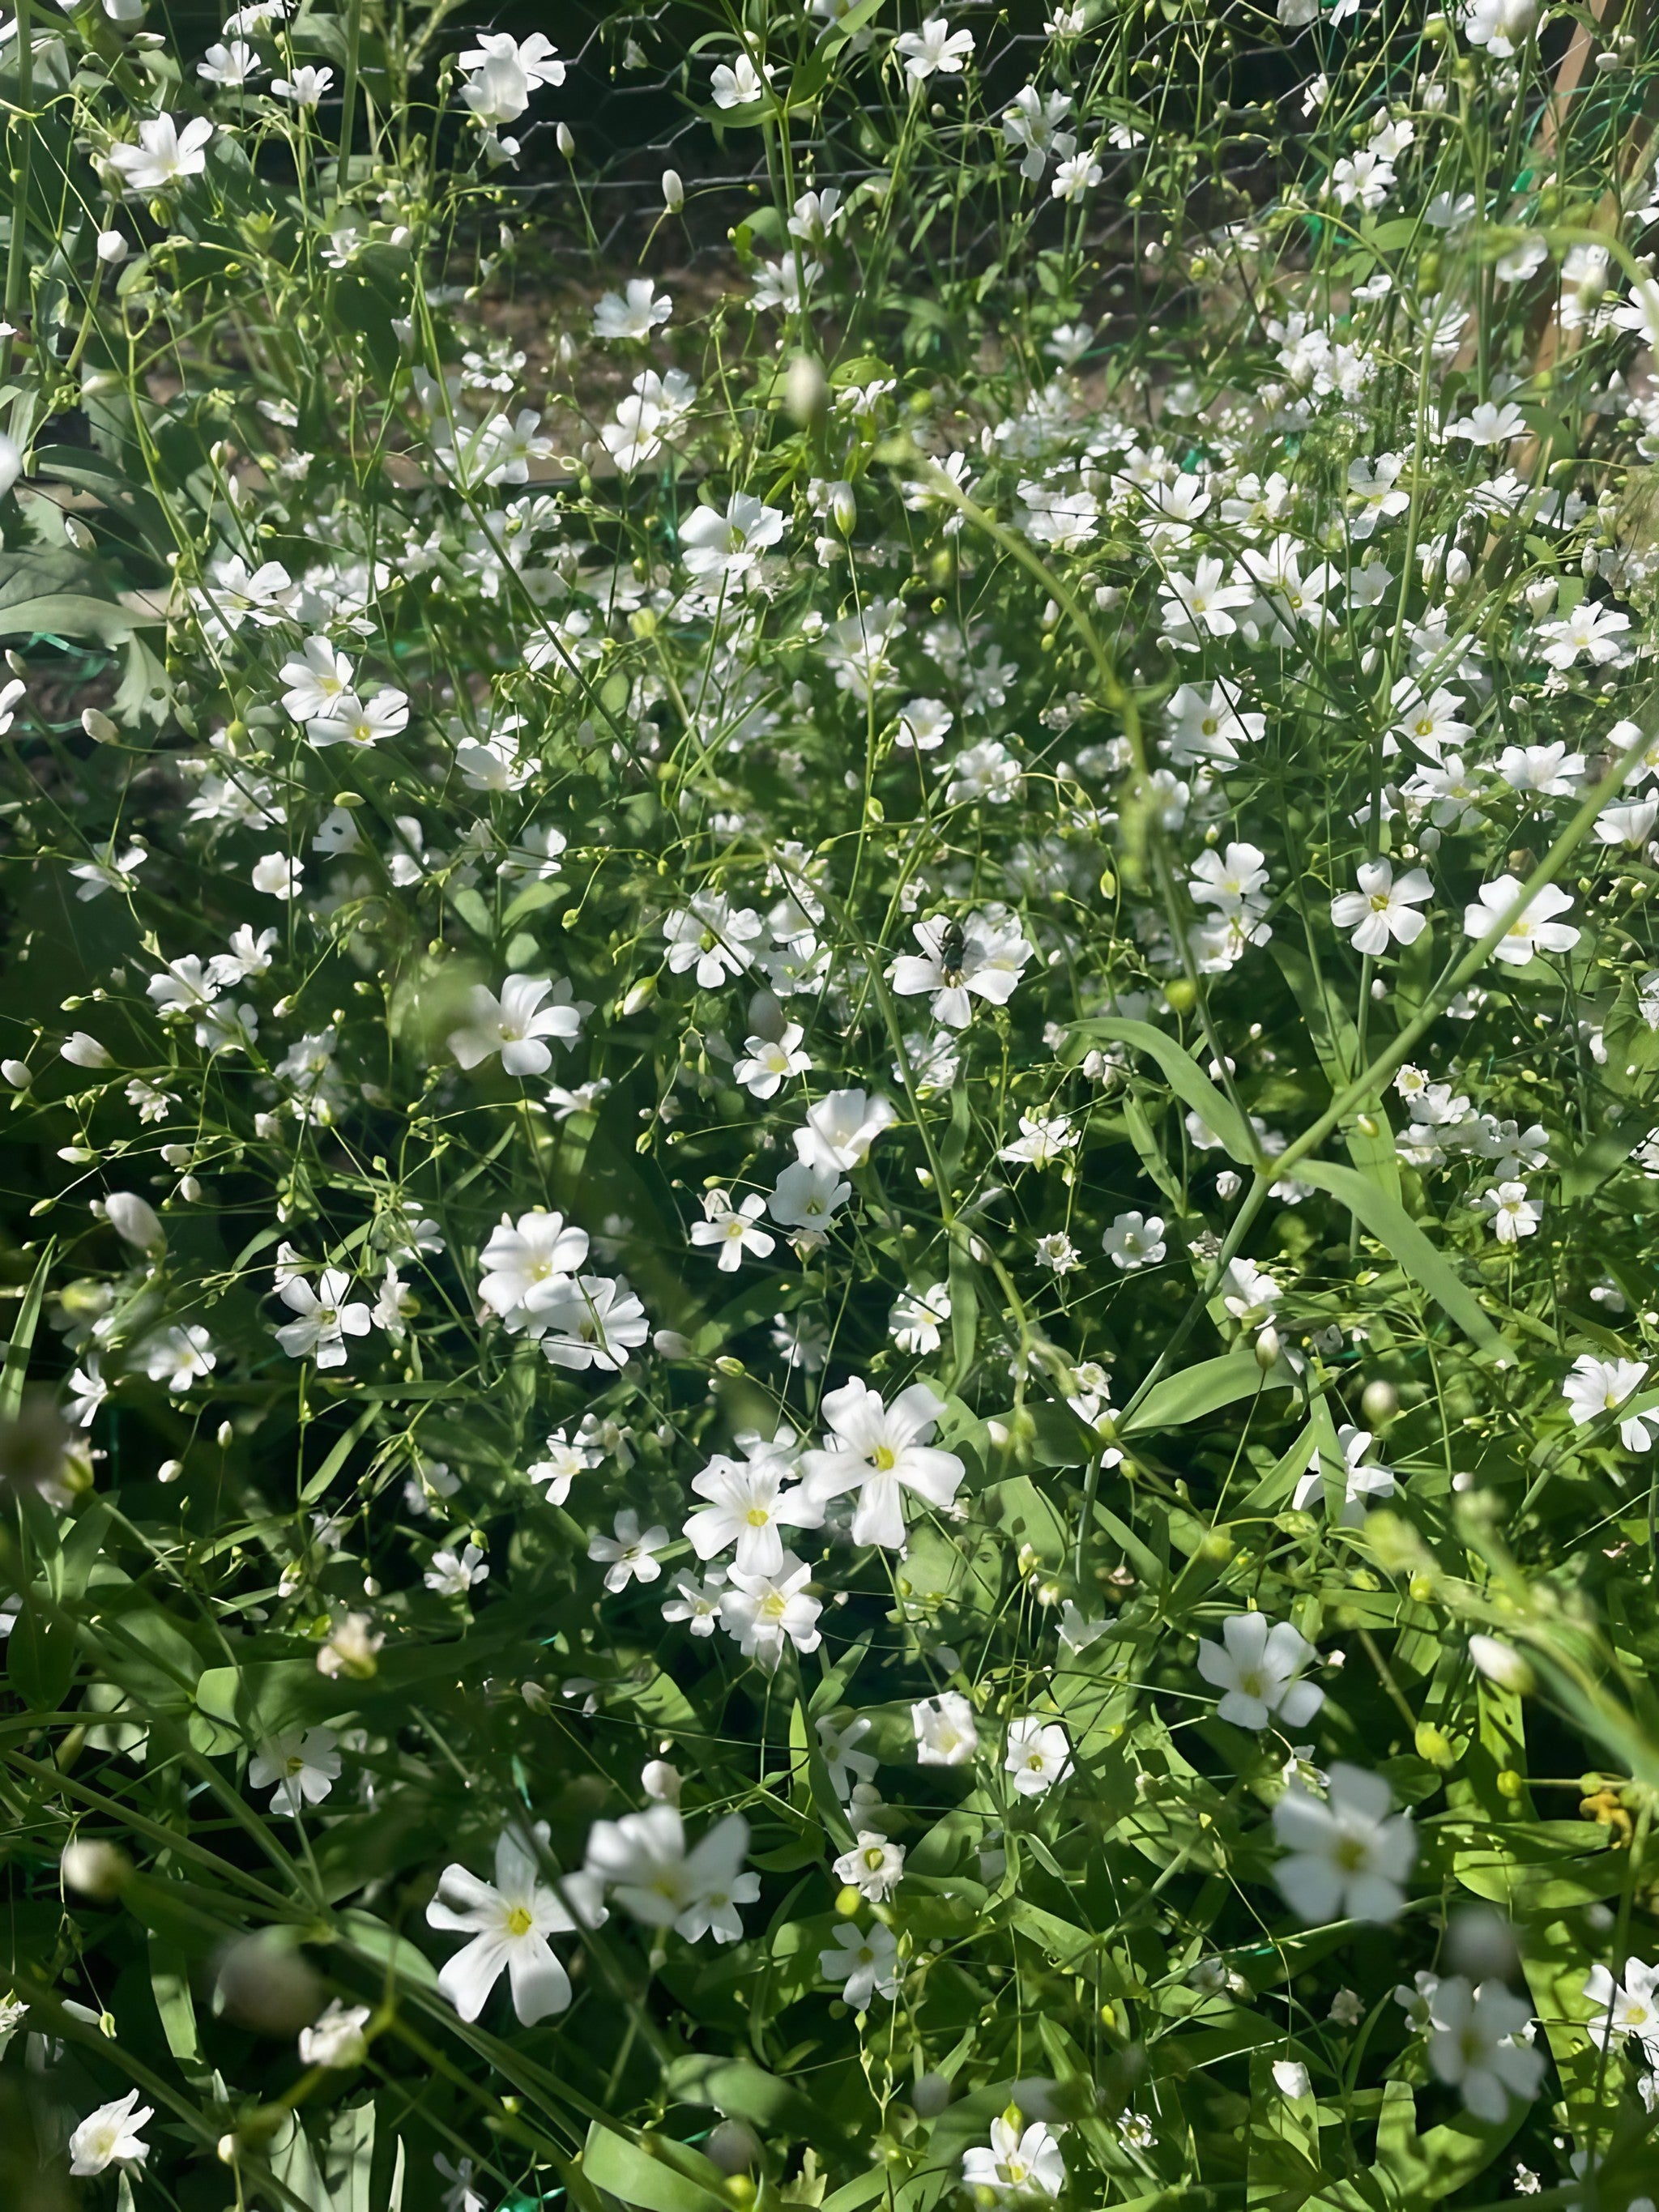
pixel 830 1212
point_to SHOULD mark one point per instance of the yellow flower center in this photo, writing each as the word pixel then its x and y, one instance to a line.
pixel 519 1922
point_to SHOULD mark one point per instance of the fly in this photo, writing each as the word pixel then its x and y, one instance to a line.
pixel 952 948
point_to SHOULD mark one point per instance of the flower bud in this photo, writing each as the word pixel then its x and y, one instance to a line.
pixel 95 1869
pixel 1267 1348
pixel 99 727
pixel 673 191
pixel 567 140
pixel 134 1220
pixel 111 247
pixel 1502 1663
pixel 804 391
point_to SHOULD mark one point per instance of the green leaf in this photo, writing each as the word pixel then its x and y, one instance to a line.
pixel 1185 1079
pixel 22 1336
pixel 612 2162
pixel 1204 1389
pixel 1389 1222
pixel 743 2091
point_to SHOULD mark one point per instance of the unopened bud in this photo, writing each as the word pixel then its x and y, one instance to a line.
pixel 1502 1663
pixel 134 1219
pixel 804 390
pixel 1267 1348
pixel 95 1869
pixel 567 140
pixel 99 727
pixel 673 191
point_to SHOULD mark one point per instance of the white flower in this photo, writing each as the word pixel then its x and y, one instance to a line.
pixel 841 1127
pixel 766 1609
pixel 278 876
pixel 1135 1240
pixel 1363 1477
pixel 1382 911
pixel 838 1742
pixel 1600 1386
pixel 501 73
pixel 635 314
pixel 1039 1754
pixel 1489 424
pixel 1590 627
pixel 1203 729
pixel 713 937
pixel 865 1963
pixel 935 49
pixel 514 1026
pixel 1534 928
pixel 805 1197
pixel 335 2039
pixel 525 1266
pixel 627 1556
pixel 1257 1665
pixel 305 88
pixel 1201 604
pixel 873 1867
pixel 452 1574
pixel 350 720
pixel 728 547
pixel 734 1229
pixel 982 956
pixel 1076 174
pixel 328 1315
pixel 1511 1214
pixel 697 1604
pixel 643 1857
pixel 1472 2045
pixel 231 66
pixel 592 1321
pixel 109 874
pixel 1502 28
pixel 298 1768
pixel 509 1921
pixel 179 1357
pixel 110 2137
pixel 749 1504
pixel 1348 1855
pixel 768 1062
pixel 915 1321
pixel 1016 2167
pixel 1626 2007
pixel 882 1451
pixel 1031 123
pixel 946 1733
pixel 163 154
pixel 738 83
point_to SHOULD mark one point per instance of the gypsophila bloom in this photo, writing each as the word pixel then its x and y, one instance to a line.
pixel 110 2136
pixel 1039 1754
pixel 298 1768
pixel 864 1963
pixel 1349 1854
pixel 873 1867
pixel 1017 2165
pixel 947 1733
pixel 509 1921
pixel 882 1451
pixel 1257 1665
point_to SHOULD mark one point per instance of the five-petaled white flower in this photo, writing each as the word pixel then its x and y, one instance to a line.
pixel 863 1961
pixel 514 1026
pixel 164 153
pixel 643 1859
pixel 1532 929
pixel 628 1556
pixel 982 956
pixel 1382 911
pixel 1595 1387
pixel 509 1921
pixel 1017 2165
pixel 881 1451
pixel 298 1768
pixel 1039 1754
pixel 1258 1665
pixel 934 51
pixel 1348 1854
pixel 110 2136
